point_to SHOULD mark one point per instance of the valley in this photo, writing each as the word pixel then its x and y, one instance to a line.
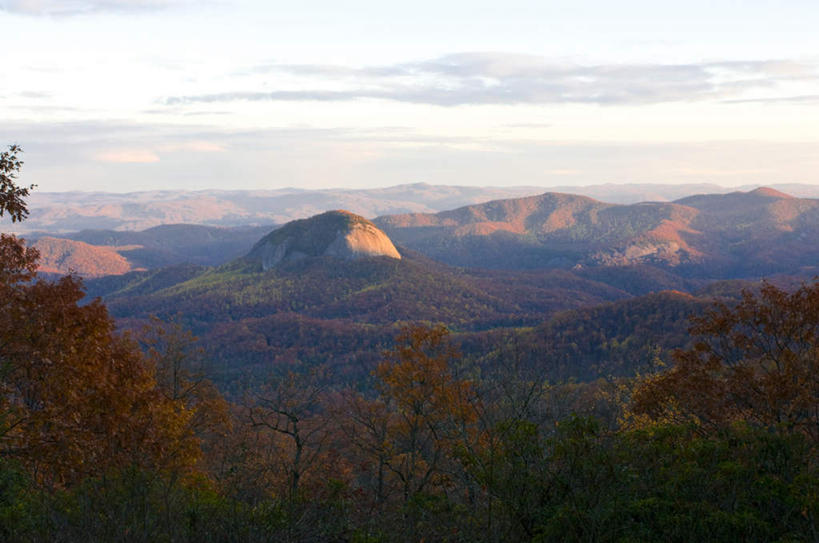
pixel 513 268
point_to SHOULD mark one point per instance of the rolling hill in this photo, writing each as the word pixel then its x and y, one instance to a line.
pixel 739 234
pixel 704 237
pixel 116 252
pixel 242 308
pixel 63 256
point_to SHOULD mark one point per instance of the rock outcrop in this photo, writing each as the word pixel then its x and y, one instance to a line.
pixel 339 234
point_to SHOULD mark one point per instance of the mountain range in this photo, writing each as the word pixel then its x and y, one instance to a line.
pixel 738 234
pixel 345 288
pixel 716 236
pixel 62 212
pixel 544 272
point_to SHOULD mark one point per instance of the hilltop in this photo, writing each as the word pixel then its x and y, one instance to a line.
pixel 338 234
pixel 63 256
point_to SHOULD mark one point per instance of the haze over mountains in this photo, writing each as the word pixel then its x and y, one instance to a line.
pixel 334 287
pixel 74 211
pixel 731 235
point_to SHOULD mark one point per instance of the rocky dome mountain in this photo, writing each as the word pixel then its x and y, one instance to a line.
pixel 717 235
pixel 339 234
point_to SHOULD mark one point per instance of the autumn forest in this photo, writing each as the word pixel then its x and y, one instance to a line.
pixel 300 397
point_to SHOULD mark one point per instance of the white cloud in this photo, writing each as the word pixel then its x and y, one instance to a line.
pixel 502 78
pixel 118 156
pixel 197 146
pixel 79 7
pixel 128 156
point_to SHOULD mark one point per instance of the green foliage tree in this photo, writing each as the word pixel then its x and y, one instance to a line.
pixel 12 196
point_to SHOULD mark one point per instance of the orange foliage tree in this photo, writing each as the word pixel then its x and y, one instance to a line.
pixel 757 362
pixel 75 398
pixel 181 378
pixel 411 429
pixel 290 409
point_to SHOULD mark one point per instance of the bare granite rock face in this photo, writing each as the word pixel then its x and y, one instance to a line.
pixel 339 234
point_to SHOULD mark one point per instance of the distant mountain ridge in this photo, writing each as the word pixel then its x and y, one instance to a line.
pixel 306 294
pixel 94 253
pixel 74 211
pixel 732 235
pixel 747 233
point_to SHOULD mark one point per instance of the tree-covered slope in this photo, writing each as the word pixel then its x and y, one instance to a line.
pixel 740 234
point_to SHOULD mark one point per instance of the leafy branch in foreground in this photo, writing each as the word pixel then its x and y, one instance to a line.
pixel 12 196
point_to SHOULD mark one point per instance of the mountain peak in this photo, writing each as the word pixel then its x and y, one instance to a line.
pixel 768 192
pixel 337 233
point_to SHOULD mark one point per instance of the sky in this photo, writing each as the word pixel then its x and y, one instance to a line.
pixel 130 95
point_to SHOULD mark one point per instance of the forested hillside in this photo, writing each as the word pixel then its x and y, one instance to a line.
pixel 557 408
pixel 245 315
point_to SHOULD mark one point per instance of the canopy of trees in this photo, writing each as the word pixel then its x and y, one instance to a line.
pixel 756 362
pixel 105 437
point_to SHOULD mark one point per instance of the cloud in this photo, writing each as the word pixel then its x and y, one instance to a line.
pixel 35 95
pixel 563 172
pixel 502 78
pixel 80 7
pixel 801 99
pixel 115 155
pixel 528 125
pixel 195 146
pixel 128 156
pixel 298 96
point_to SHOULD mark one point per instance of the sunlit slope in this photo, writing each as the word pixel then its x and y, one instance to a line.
pixel 339 234
pixel 745 233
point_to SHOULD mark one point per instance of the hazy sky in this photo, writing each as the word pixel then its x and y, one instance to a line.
pixel 127 95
